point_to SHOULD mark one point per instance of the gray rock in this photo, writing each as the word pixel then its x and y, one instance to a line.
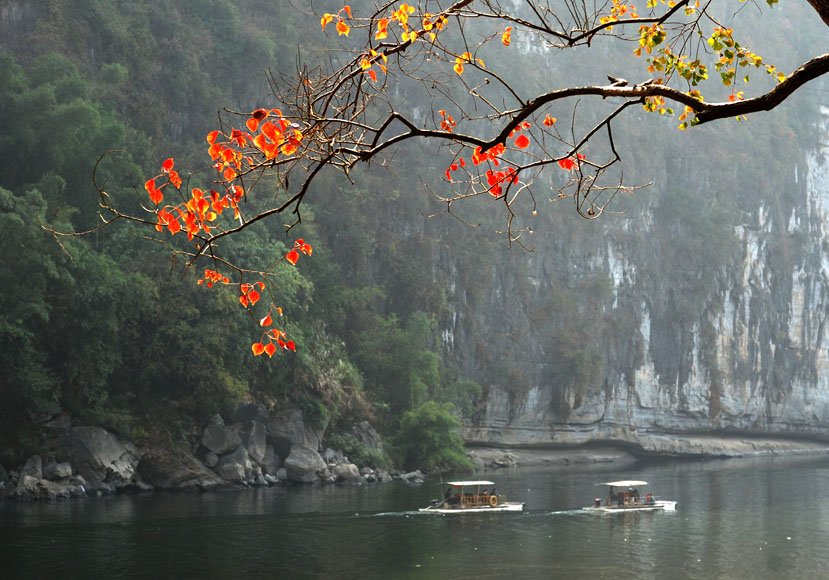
pixel 346 472
pixel 32 489
pixel 288 428
pixel 218 437
pixel 98 455
pixel 382 475
pixel 235 467
pixel 412 477
pixel 254 438
pixel 32 468
pixel 303 464
pixel 282 474
pixel 333 457
pixel 271 479
pixel 271 462
pixel 175 469
pixel 211 459
pixel 57 471
pixel 232 472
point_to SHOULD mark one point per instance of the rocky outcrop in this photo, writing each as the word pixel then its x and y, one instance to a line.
pixel 218 437
pixel 176 469
pixel 288 428
pixel 92 460
pixel 98 455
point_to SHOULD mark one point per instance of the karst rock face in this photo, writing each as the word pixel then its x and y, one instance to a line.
pixel 683 317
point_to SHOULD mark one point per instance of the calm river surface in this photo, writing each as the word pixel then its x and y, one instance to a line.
pixel 736 519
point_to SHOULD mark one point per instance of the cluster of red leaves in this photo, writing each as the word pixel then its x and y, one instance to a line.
pixel 569 164
pixel 156 195
pixel 446 122
pixel 269 135
pixel 213 277
pixel 270 336
pixel 299 246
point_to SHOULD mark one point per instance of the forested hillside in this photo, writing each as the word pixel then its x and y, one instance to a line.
pixel 394 309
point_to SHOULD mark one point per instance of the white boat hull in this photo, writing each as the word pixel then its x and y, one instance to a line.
pixel 501 507
pixel 668 506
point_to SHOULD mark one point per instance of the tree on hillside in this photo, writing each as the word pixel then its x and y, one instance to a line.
pixel 453 75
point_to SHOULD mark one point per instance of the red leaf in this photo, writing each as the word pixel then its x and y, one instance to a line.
pixel 260 114
pixel 253 296
pixel 292 256
pixel 267 321
pixel 243 300
pixel 567 164
pixel 270 349
pixel 258 348
pixel 167 165
pixel 156 196
pixel 290 345
pixel 522 142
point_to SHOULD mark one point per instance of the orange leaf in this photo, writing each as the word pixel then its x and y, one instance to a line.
pixel 373 75
pixel 549 121
pixel 290 345
pixel 229 173
pixel 267 321
pixel 167 165
pixel 522 142
pixel 253 296
pixel 252 124
pixel 506 37
pixel 211 137
pixel 326 19
pixel 342 28
pixel 270 349
pixel 347 9
pixel 258 348
pixel 292 256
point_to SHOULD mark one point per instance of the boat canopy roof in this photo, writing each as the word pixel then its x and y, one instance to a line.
pixel 624 483
pixel 464 483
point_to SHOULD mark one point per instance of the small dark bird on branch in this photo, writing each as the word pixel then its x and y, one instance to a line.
pixel 617 82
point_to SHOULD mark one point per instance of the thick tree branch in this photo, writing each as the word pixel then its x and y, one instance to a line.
pixel 811 70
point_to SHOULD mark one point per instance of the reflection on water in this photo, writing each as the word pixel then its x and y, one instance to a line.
pixel 736 519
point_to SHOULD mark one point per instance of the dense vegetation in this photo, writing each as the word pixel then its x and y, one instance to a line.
pixel 104 328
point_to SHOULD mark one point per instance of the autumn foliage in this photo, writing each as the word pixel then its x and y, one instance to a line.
pixel 496 140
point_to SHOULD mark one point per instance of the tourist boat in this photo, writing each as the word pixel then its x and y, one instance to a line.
pixel 623 496
pixel 462 497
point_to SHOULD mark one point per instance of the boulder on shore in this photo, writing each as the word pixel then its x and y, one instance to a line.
pixel 100 457
pixel 176 469
pixel 303 464
pixel 288 428
pixel 218 437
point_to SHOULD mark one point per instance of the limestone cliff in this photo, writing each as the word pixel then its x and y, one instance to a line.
pixel 675 319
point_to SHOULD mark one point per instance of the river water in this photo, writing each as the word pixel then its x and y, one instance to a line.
pixel 736 519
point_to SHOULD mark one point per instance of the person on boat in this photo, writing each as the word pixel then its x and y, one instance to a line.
pixel 648 498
